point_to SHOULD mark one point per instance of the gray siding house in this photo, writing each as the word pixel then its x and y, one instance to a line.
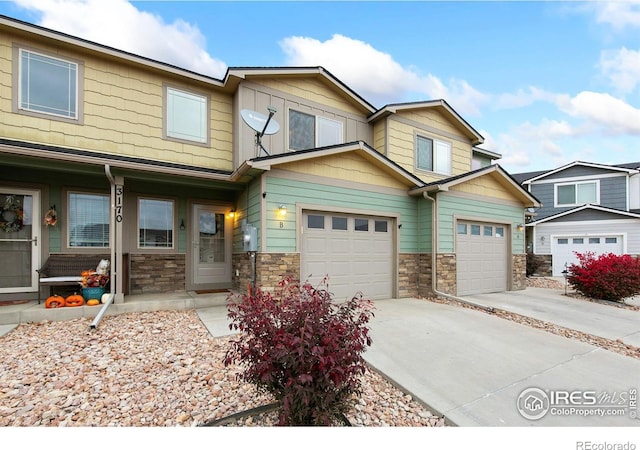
pixel 586 207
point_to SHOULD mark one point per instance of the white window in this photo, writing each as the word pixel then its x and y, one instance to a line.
pixel 433 155
pixel 155 223
pixel 574 194
pixel 47 85
pixel 186 116
pixel 88 220
pixel 309 131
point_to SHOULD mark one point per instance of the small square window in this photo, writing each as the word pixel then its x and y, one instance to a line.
pixel 611 240
pixel 462 228
pixel 362 225
pixel 339 223
pixel 186 116
pixel 475 230
pixel 563 241
pixel 314 221
pixel 594 240
pixel 499 232
pixel 381 226
pixel 488 231
pixel 578 241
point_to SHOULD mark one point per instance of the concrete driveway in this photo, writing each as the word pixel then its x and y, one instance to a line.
pixel 473 367
pixel 553 306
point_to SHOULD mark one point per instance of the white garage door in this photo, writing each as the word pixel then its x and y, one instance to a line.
pixel 356 252
pixel 563 248
pixel 481 257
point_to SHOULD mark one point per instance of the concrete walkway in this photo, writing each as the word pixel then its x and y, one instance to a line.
pixel 553 306
pixel 472 367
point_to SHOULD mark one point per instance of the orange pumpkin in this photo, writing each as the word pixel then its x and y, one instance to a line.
pixel 93 302
pixel 55 301
pixel 86 273
pixel 74 300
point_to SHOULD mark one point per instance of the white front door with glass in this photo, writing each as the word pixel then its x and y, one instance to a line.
pixel 211 247
pixel 19 240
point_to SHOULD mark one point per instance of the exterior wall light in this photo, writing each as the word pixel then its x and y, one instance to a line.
pixel 231 214
pixel 520 228
pixel 182 227
pixel 282 211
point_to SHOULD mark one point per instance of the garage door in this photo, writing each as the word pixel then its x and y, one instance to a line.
pixel 563 248
pixel 481 257
pixel 355 251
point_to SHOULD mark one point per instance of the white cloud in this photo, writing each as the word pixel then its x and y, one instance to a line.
pixel 609 114
pixel 376 75
pixel 618 14
pixel 622 67
pixel 119 24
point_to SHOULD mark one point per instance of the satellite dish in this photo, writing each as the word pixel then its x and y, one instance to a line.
pixel 261 124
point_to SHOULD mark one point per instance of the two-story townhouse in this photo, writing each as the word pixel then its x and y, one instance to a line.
pixel 161 168
pixel 587 207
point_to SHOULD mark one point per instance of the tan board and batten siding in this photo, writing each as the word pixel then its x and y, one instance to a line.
pixel 123 112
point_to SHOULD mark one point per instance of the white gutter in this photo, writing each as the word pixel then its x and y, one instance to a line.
pixel 434 250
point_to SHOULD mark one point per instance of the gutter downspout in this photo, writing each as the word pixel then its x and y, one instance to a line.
pixel 112 220
pixel 434 249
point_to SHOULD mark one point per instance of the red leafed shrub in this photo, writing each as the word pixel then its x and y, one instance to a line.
pixel 303 348
pixel 607 277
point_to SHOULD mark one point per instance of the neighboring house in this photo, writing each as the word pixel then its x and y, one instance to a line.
pixel 156 165
pixel 587 207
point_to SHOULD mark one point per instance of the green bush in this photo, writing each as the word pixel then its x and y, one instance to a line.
pixel 302 348
pixel 607 277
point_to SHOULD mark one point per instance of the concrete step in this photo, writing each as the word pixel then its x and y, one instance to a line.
pixel 34 312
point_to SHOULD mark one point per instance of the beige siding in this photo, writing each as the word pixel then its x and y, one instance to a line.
pixel 402 144
pixel 347 167
pixel 258 96
pixel 123 114
pixel 379 137
pixel 313 90
pixel 486 186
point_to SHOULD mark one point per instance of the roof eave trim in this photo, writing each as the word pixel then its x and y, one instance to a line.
pixel 581 163
pixel 582 208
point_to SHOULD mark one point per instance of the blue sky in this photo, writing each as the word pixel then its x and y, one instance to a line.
pixel 546 83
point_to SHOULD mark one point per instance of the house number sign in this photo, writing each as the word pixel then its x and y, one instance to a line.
pixel 119 195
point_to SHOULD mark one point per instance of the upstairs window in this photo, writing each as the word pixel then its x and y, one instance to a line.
pixel 574 194
pixel 308 131
pixel 47 85
pixel 186 116
pixel 433 155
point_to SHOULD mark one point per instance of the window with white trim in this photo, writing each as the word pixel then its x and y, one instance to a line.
pixel 433 155
pixel 186 116
pixel 47 85
pixel 155 223
pixel 310 131
pixel 580 193
pixel 88 224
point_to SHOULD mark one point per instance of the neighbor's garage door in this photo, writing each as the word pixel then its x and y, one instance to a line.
pixel 481 257
pixel 563 248
pixel 355 251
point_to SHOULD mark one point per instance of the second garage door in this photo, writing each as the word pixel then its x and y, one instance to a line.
pixel 356 252
pixel 481 257
pixel 563 249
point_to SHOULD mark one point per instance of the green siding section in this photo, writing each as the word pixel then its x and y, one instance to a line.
pixel 449 206
pixel 282 231
pixel 247 207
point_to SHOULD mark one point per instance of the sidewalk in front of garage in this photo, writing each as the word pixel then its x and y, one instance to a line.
pixel 553 305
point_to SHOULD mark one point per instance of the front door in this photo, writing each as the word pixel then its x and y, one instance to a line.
pixel 211 255
pixel 19 233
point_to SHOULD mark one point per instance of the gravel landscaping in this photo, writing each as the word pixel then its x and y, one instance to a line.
pixel 150 369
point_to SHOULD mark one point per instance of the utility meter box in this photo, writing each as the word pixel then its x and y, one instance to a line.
pixel 250 238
